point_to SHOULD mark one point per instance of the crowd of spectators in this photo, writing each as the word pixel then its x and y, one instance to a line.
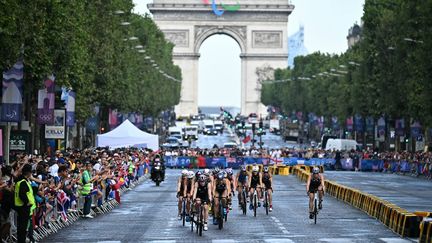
pixel 60 180
pixel 420 163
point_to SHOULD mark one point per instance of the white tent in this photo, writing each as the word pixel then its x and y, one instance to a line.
pixel 128 135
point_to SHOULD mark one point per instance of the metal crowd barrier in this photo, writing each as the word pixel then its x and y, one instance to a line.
pixel 53 221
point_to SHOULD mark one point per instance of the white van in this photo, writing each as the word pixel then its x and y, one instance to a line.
pixel 190 132
pixel 341 144
pixel 218 125
pixel 175 132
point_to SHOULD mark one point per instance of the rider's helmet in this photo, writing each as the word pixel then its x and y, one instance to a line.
pixel 315 170
pixel 206 172
pixel 216 170
pixel 198 174
pixel 266 169
pixel 255 169
pixel 220 175
pixel 202 178
pixel 229 171
pixel 184 173
pixel 191 174
pixel 243 168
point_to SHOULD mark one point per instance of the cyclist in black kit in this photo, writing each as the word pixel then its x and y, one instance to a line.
pixel 315 183
pixel 267 180
pixel 255 183
pixel 202 195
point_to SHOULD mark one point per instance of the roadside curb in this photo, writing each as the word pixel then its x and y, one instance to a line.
pixel 399 220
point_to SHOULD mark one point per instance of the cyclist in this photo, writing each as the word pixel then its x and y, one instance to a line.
pixel 255 183
pixel 229 176
pixel 267 180
pixel 202 195
pixel 241 180
pixel 220 188
pixel 181 186
pixel 315 183
pixel 189 192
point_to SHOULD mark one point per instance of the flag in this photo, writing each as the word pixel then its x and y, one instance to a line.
pixel 46 99
pixel 112 118
pixel 247 139
pixel 70 109
pixel 12 93
pixel 400 127
pixel 415 129
pixel 381 127
pixel 349 123
pixel 359 123
pixel 370 124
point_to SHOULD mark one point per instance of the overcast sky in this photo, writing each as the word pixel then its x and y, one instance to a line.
pixel 326 26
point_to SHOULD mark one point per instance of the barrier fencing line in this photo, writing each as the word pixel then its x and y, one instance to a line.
pixel 50 222
pixel 399 220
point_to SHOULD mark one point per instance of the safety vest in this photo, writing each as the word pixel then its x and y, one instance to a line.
pixel 30 196
pixel 87 187
pixel 131 168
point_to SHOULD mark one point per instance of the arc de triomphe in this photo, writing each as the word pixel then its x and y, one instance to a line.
pixel 258 26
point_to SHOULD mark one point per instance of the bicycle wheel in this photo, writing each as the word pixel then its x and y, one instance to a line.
pixel 184 213
pixel 200 221
pixel 192 220
pixel 255 204
pixel 315 211
pixel 266 205
pixel 244 204
pixel 220 216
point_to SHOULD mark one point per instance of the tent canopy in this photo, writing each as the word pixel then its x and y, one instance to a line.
pixel 127 135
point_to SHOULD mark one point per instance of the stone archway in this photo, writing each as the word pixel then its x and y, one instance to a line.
pixel 259 27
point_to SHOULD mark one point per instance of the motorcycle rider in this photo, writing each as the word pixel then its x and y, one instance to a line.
pixel 157 166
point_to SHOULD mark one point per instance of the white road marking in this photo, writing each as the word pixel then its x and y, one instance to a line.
pixel 394 240
pixel 337 240
pixel 279 241
pixel 279 224
pixel 224 241
pixel 285 231
pixel 163 241
pixel 114 241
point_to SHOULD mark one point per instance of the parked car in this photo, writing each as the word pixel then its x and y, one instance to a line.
pixel 171 142
pixel 210 131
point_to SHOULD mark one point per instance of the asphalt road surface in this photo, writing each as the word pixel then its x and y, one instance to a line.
pixel 149 214
pixel 410 193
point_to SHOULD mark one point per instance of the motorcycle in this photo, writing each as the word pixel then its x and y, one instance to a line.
pixel 157 173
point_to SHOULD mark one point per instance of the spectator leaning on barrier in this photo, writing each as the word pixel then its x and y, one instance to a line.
pixel 24 203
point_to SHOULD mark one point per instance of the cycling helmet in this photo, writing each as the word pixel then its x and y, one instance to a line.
pixel 184 173
pixel 221 175
pixel 266 169
pixel 191 174
pixel 216 170
pixel 198 174
pixel 202 178
pixel 243 168
pixel 255 169
pixel 229 171
pixel 206 172
pixel 315 170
